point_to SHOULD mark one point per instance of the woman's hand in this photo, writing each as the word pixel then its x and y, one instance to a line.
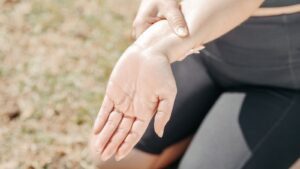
pixel 141 86
pixel 151 11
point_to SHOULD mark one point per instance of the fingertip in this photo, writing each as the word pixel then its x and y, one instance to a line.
pixel 160 133
pixel 160 122
pixel 181 31
pixel 106 155
pixel 104 158
pixel 99 146
pixel 122 152
pixel 158 129
pixel 96 128
pixel 118 158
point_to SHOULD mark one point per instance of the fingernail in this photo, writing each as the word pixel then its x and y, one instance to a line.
pixel 181 31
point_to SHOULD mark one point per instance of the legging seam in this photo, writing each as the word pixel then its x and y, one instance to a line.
pixel 275 125
pixel 290 56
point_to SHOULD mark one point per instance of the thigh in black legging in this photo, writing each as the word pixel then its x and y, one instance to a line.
pixel 196 94
pixel 270 123
pixel 249 129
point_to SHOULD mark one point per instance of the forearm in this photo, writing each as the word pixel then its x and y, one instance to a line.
pixel 206 19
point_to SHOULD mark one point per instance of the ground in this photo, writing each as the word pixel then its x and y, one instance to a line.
pixel 55 58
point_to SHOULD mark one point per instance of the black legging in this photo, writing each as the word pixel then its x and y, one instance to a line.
pixel 249 129
pixel 261 53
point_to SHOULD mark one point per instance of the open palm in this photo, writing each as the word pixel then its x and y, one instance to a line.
pixel 141 85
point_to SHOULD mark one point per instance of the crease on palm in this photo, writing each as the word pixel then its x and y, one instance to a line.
pixel 137 102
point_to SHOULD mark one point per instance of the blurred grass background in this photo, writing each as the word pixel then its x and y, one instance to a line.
pixel 55 58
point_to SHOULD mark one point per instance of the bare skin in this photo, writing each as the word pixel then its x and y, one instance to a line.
pixel 142 85
pixel 277 11
pixel 155 10
pixel 140 160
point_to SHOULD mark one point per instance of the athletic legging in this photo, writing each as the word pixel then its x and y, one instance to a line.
pixel 261 58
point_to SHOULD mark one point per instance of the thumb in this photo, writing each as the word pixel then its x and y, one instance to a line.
pixel 177 22
pixel 162 116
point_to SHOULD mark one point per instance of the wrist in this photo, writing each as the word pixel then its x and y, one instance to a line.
pixel 159 38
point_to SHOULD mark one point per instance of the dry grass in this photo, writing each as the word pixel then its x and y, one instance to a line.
pixel 55 57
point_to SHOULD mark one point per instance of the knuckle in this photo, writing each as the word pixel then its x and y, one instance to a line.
pixel 175 19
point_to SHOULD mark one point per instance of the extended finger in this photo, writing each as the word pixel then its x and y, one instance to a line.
pixel 117 138
pixel 177 21
pixel 108 130
pixel 136 132
pixel 103 114
pixel 162 116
